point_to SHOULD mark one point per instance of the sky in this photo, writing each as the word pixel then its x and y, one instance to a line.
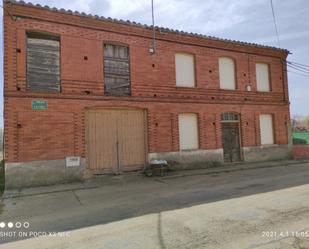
pixel 249 21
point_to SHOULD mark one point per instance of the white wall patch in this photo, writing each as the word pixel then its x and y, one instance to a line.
pixel 72 161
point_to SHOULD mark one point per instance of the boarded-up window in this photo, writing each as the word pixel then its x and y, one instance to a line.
pixel 227 73
pixel 43 63
pixel 116 70
pixel 266 129
pixel 188 131
pixel 184 70
pixel 262 77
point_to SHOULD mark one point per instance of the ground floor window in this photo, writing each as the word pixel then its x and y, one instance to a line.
pixel 188 131
pixel 266 129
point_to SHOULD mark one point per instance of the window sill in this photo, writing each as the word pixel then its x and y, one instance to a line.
pixel 186 87
pixel 189 150
pixel 264 91
pixel 230 90
pixel 268 145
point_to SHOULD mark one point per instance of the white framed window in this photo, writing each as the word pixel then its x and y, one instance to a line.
pixel 262 77
pixel 188 131
pixel 185 73
pixel 227 73
pixel 266 129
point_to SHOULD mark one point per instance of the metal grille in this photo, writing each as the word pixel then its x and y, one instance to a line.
pixel 229 116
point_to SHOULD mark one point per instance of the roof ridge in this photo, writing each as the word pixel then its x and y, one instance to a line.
pixel 137 24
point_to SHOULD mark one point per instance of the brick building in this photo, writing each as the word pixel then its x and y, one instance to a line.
pixel 85 94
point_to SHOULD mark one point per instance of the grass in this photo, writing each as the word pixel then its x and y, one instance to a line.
pixel 1 177
pixel 304 136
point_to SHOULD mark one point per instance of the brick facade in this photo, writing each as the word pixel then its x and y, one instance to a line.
pixel 59 131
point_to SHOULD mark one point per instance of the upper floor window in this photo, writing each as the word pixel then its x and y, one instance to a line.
pixel 227 73
pixel 262 77
pixel 185 73
pixel 116 70
pixel 43 63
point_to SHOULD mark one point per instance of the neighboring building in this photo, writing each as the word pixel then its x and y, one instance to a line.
pixel 89 87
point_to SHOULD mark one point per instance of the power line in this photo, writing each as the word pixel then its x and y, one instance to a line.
pixel 299 69
pixel 275 23
pixel 298 64
pixel 300 74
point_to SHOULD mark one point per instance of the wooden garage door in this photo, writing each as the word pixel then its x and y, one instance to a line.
pixel 115 139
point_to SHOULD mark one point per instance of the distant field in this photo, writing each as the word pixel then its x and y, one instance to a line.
pixel 301 137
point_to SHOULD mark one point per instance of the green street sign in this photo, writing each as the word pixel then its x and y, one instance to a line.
pixel 39 105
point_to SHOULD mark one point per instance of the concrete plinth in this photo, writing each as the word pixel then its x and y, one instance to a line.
pixel 38 173
pixel 190 159
pixel 267 153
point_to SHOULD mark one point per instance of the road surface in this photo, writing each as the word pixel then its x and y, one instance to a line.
pixel 257 208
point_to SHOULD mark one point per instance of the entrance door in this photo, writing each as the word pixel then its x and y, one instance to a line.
pixel 230 142
pixel 230 136
pixel 115 139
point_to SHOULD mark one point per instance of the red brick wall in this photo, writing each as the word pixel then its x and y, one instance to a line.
pixel 61 127
pixel 300 151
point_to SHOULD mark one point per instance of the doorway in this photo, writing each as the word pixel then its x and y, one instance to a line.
pixel 231 137
pixel 115 139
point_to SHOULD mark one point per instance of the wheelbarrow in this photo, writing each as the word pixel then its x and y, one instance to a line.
pixel 156 168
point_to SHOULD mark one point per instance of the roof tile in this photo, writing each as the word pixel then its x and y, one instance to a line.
pixel 132 23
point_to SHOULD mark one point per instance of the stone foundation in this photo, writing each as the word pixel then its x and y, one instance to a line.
pixel 267 153
pixel 190 159
pixel 38 173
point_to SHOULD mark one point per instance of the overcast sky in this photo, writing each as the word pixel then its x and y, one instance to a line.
pixel 243 20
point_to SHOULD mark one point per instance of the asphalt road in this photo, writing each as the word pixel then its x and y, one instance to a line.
pixel 257 208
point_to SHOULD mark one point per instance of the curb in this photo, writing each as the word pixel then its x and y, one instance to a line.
pixel 224 169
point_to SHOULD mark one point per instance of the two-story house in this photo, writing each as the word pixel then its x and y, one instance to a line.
pixel 88 95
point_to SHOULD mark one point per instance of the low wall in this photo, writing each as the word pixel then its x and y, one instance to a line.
pixel 38 173
pixel 190 159
pixel 267 153
pixel 300 151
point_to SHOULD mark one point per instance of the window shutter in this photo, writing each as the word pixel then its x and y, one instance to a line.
pixel 116 70
pixel 227 73
pixel 262 77
pixel 266 129
pixel 43 65
pixel 188 131
pixel 184 70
